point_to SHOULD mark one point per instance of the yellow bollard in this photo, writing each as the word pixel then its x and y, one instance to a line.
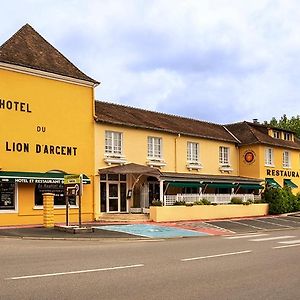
pixel 48 203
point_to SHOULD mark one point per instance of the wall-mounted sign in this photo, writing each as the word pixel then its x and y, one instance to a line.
pixel 282 173
pixel 249 156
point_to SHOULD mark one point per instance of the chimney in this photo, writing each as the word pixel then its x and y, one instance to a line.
pixel 255 121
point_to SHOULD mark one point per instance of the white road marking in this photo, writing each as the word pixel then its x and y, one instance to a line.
pixel 244 236
pixel 290 242
pixel 273 223
pixel 216 255
pixel 286 246
pixel 75 272
pixel 273 238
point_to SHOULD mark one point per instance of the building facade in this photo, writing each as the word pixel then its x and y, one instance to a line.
pixel 51 125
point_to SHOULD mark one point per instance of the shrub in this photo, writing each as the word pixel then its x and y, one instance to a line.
pixel 236 200
pixel 189 204
pixel 156 203
pixel 206 202
pixel 199 202
pixel 281 200
pixel 179 203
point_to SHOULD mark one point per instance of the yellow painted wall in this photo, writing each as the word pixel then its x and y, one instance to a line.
pixel 65 110
pixel 135 150
pixel 205 212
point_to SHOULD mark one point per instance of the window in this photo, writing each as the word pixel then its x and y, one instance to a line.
pixel 287 136
pixel 286 159
pixel 276 134
pixel 154 147
pixel 192 152
pixel 269 157
pixel 113 143
pixel 224 155
pixel 7 196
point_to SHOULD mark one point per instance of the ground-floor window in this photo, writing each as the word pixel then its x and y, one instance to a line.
pixel 56 189
pixel 7 196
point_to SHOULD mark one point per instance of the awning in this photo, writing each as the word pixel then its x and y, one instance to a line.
pixel 272 183
pixel 290 183
pixel 251 186
pixel 221 185
pixel 35 177
pixel 185 184
pixel 131 169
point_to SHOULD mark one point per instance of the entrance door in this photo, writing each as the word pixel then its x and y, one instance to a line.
pixel 113 197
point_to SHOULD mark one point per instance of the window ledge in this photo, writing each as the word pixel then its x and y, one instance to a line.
pixel 154 162
pixel 270 166
pixel 226 168
pixel 115 160
pixel 194 166
pixel 40 207
pixel 8 211
pixel 286 167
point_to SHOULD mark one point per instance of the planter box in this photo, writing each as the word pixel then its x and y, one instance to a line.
pixel 206 212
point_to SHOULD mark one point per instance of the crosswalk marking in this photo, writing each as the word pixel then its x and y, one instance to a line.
pixel 244 236
pixel 273 238
pixel 290 242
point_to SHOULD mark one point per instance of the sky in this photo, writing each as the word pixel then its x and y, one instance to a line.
pixel 221 61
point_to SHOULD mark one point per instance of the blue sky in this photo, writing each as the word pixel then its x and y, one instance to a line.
pixel 214 60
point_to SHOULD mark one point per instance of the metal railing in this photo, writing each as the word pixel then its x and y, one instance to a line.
pixel 213 198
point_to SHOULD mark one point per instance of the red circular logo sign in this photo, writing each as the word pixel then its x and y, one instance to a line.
pixel 249 156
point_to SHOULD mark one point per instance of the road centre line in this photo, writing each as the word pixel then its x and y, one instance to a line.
pixel 74 272
pixel 290 242
pixel 244 236
pixel 216 255
pixel 273 238
pixel 286 246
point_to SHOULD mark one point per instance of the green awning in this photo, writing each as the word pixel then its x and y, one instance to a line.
pixel 35 177
pixel 272 183
pixel 185 184
pixel 221 185
pixel 290 183
pixel 250 186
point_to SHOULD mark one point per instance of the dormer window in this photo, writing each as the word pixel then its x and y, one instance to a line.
pixel 287 136
pixel 276 134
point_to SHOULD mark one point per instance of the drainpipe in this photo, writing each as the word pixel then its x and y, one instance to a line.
pixel 178 136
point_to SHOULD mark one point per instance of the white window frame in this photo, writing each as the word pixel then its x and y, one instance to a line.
pixel 154 148
pixel 114 138
pixel 269 157
pixel 193 152
pixel 286 159
pixel 9 211
pixel 224 156
pixel 277 134
pixel 287 136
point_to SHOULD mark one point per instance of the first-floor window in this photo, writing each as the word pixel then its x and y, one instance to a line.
pixel 154 147
pixel 57 189
pixel 269 157
pixel 113 143
pixel 7 196
pixel 286 159
pixel 224 155
pixel 193 152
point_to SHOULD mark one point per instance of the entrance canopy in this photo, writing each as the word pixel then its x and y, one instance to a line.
pixel 35 177
pixel 132 169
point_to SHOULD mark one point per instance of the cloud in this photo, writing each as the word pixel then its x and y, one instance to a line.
pixel 215 60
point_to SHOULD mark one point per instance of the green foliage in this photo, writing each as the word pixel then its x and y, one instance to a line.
pixel 199 202
pixel 179 203
pixel 156 203
pixel 284 122
pixel 248 202
pixel 236 200
pixel 189 204
pixel 206 202
pixel 281 200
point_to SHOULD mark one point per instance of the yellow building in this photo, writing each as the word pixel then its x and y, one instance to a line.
pixel 51 126
pixel 142 156
pixel 46 129
pixel 269 153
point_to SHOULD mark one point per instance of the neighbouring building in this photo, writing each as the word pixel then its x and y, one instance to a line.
pixel 51 125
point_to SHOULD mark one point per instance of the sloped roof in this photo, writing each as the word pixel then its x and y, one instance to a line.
pixel 251 133
pixel 27 48
pixel 140 118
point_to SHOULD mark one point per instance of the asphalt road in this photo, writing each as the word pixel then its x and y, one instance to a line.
pixel 264 265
